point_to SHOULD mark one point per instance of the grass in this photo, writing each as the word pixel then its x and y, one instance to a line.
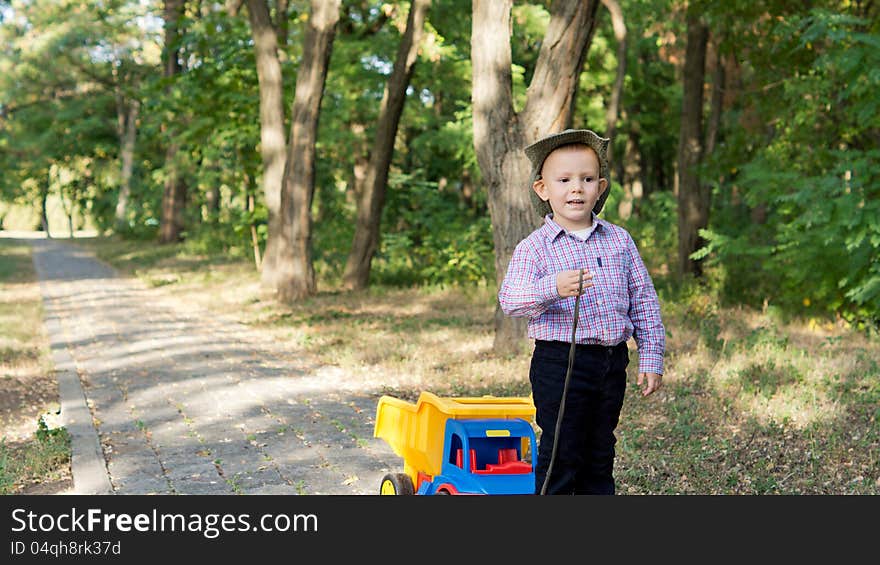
pixel 34 454
pixel 752 403
pixel 42 460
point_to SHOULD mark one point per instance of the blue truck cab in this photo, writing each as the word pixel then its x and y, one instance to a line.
pixel 485 456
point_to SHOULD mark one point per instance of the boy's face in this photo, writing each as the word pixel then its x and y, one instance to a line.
pixel 570 183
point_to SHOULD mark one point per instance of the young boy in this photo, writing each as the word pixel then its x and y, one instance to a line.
pixel 618 301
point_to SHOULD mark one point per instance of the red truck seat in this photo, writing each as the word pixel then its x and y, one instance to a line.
pixel 508 463
pixel 460 463
pixel 505 455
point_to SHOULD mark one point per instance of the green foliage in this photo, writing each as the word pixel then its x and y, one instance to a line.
pixel 62 75
pixel 654 229
pixel 651 98
pixel 432 238
pixel 813 177
pixel 434 149
pixel 794 175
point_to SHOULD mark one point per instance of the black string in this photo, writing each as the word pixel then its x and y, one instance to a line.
pixel 571 352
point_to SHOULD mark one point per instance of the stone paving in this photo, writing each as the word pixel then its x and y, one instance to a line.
pixel 185 402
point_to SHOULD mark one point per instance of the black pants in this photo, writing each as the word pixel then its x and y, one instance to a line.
pixel 584 460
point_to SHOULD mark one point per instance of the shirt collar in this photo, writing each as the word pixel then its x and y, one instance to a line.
pixel 552 230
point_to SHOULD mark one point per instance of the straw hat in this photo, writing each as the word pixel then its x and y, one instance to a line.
pixel 538 151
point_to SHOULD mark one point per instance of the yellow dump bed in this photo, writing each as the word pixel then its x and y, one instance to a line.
pixel 415 431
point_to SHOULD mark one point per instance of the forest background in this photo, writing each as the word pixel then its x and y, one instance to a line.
pixel 334 147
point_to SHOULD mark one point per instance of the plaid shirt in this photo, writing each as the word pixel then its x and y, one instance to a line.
pixel 622 302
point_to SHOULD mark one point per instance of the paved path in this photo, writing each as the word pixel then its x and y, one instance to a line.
pixel 169 402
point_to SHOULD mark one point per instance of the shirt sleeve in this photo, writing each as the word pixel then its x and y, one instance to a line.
pixel 526 291
pixel 644 311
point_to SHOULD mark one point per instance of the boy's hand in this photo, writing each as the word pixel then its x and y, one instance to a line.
pixel 654 382
pixel 567 282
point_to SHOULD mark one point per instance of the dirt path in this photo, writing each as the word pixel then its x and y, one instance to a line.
pixel 167 399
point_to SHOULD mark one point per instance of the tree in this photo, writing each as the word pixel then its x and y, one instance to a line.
pixel 56 113
pixel 613 111
pixel 174 196
pixel 796 165
pixel 127 117
pixel 371 198
pixel 693 195
pixel 273 145
pixel 127 69
pixel 500 133
pixel 296 274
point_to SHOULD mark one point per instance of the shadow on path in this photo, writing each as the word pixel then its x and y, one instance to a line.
pixel 164 402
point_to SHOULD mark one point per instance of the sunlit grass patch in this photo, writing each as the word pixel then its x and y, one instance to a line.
pixel 768 413
pixel 752 403
pixel 28 460
pixel 23 347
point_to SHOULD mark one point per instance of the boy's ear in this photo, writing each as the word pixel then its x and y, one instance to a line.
pixel 540 189
pixel 603 185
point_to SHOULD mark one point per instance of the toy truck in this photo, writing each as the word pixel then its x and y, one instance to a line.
pixel 470 445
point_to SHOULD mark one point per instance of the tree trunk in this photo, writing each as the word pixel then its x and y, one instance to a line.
pixel 359 167
pixel 632 178
pixel 173 199
pixel 250 206
pixel 44 213
pixel 692 195
pixel 372 199
pixel 212 194
pixel 272 142
pixel 500 133
pixel 716 103
pixel 174 195
pixel 128 135
pixel 281 24
pixel 613 110
pixel 296 274
pixel 68 211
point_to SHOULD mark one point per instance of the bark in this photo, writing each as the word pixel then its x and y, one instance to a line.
pixel 282 30
pixel 63 197
pixel 296 274
pixel 632 177
pixel 359 167
pixel 173 199
pixel 692 195
pixel 212 194
pixel 372 199
pixel 548 106
pixel 68 211
pixel 212 201
pixel 613 109
pixel 500 133
pixel 273 144
pixel 44 214
pixel 255 239
pixel 127 135
pixel 174 195
pixel 359 175
pixel 233 7
pixel 250 206
pixel 468 191
pixel 716 103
